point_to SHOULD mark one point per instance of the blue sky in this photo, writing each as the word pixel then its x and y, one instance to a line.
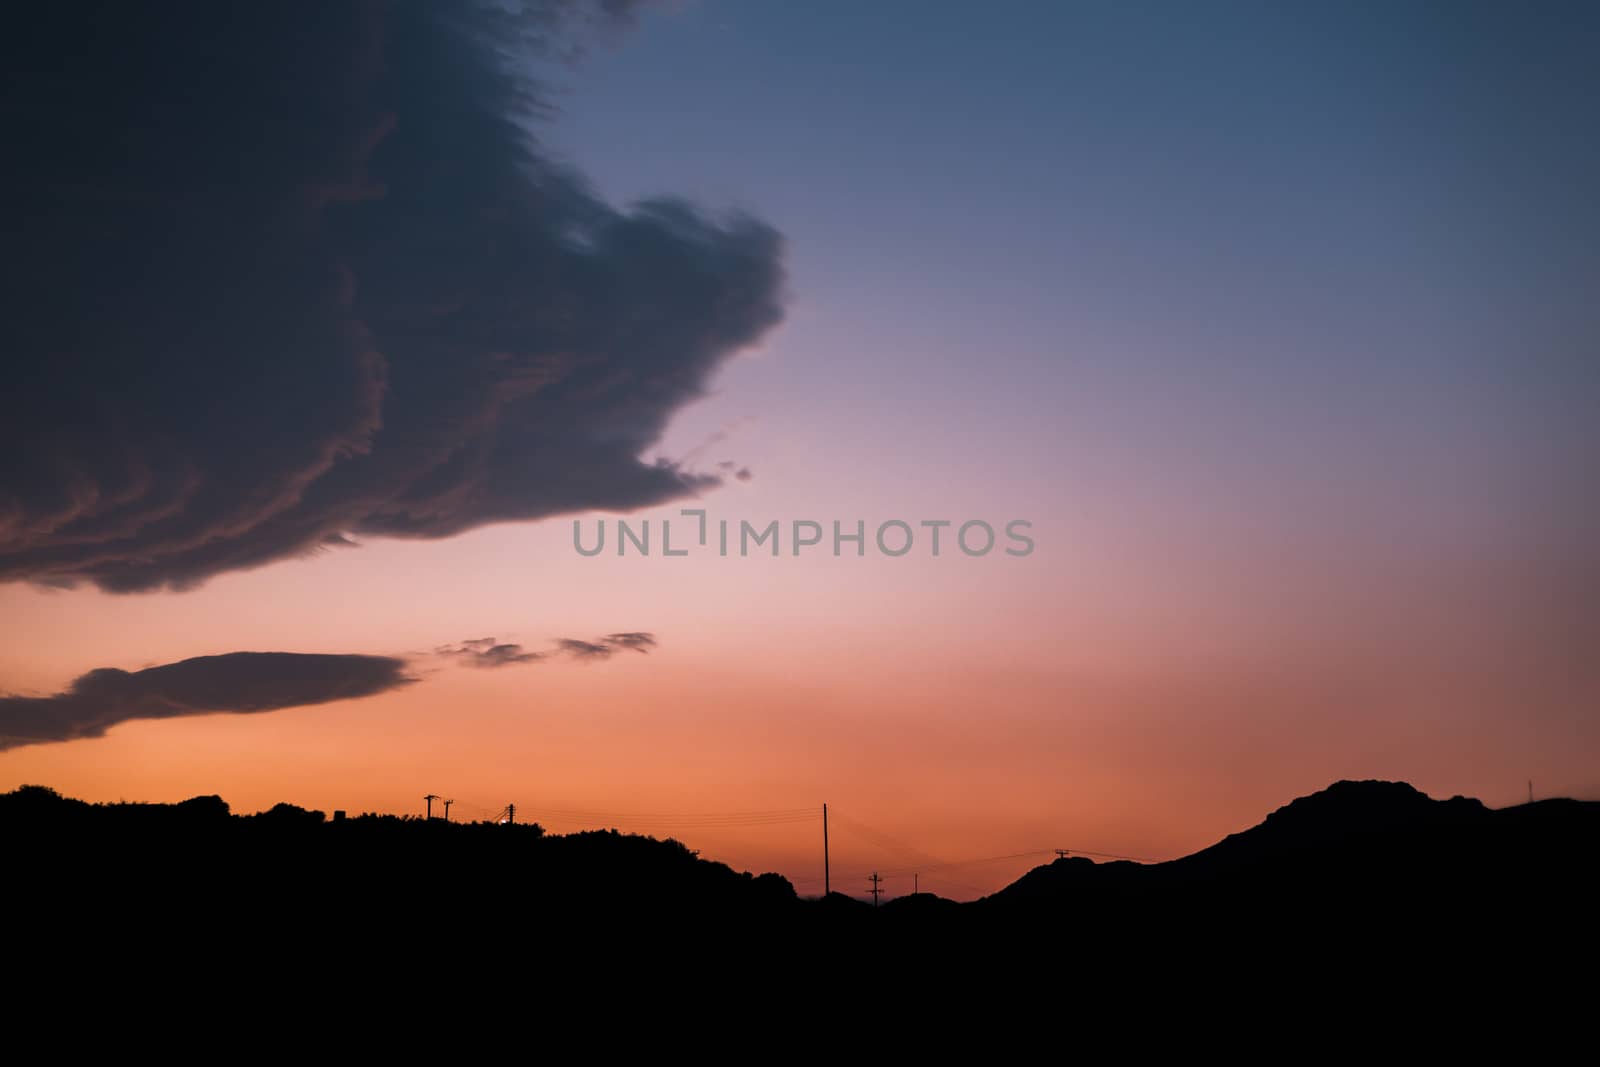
pixel 1310 244
pixel 1277 320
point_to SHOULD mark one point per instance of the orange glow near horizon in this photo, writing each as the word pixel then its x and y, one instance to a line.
pixel 1029 723
pixel 1277 327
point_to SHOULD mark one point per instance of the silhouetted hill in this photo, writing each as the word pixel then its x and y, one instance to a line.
pixel 1360 814
pixel 921 906
pixel 1358 863
pixel 289 860
pixel 1356 858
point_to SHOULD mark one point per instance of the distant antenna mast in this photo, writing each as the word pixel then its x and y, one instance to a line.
pixel 877 881
pixel 447 809
pixel 430 798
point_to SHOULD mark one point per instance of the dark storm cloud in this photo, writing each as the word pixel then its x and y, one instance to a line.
pixel 279 277
pixel 238 682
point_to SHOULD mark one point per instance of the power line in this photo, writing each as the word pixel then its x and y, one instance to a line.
pixel 925 859
pixel 1108 855
pixel 685 820
pixel 808 813
pixel 969 863
pixel 762 818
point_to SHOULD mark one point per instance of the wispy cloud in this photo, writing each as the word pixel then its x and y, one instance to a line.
pixel 488 652
pixel 607 646
pixel 638 641
pixel 485 652
pixel 584 650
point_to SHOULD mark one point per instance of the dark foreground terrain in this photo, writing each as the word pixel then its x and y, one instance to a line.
pixel 1359 873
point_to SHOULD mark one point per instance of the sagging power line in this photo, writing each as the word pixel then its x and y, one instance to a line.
pixel 762 819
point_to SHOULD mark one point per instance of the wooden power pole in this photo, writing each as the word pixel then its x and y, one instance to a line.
pixel 826 888
pixel 877 882
pixel 430 798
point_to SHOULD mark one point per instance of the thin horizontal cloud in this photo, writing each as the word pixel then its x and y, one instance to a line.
pixel 330 290
pixel 584 650
pixel 239 683
pixel 485 652
pixel 638 641
pixel 607 646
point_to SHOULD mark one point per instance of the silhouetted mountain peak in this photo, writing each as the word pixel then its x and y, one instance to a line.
pixel 1346 811
pixel 1367 804
pixel 1347 828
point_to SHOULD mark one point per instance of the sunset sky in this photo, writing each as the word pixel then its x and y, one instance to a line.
pixel 1278 323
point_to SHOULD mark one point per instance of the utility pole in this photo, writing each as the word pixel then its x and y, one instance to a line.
pixel 916 884
pixel 430 798
pixel 825 887
pixel 511 814
pixel 447 809
pixel 1061 853
pixel 1530 790
pixel 877 881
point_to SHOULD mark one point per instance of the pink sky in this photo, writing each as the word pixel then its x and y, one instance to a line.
pixel 1284 346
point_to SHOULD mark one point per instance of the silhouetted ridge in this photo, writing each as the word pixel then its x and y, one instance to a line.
pixel 1366 806
pixel 1358 864
pixel 1348 861
pixel 1075 876
pixel 1347 813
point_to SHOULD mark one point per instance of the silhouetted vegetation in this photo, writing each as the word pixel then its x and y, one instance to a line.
pixel 1361 866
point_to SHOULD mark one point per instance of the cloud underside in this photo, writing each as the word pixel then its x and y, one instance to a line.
pixel 238 682
pixel 290 276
